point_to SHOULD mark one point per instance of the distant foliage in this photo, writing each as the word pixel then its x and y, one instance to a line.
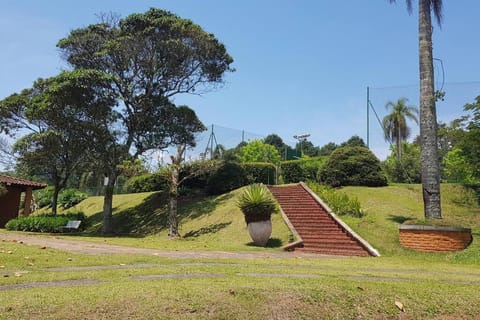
pixel 338 201
pixel 196 173
pixel 292 171
pixel 67 198
pixel 353 166
pixel 227 177
pixel 307 169
pixel 260 172
pixel 457 168
pixel 70 197
pixel 258 151
pixel 44 223
pixel 406 170
pixel 147 182
pixel 44 196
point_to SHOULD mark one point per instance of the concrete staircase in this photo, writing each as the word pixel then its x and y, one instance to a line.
pixel 319 231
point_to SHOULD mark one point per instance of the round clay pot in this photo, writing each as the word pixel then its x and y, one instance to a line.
pixel 260 231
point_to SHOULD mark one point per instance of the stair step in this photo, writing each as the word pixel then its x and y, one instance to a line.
pixel 319 231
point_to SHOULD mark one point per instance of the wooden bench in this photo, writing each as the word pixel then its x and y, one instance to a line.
pixel 72 225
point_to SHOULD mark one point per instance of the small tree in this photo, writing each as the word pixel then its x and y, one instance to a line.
pixel 258 151
pixel 183 126
pixel 408 169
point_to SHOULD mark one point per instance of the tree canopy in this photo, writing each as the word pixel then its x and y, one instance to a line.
pixel 258 151
pixel 118 95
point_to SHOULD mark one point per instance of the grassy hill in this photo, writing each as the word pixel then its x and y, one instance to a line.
pixel 215 223
pixel 207 223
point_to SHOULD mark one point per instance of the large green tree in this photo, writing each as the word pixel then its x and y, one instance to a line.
pixel 61 113
pixel 395 125
pixel 150 58
pixel 428 114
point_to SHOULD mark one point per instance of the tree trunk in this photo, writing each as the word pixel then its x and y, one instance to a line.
pixel 107 227
pixel 428 117
pixel 173 191
pixel 173 194
pixel 399 144
pixel 56 191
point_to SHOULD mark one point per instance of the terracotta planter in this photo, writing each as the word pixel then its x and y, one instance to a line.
pixel 435 238
pixel 260 231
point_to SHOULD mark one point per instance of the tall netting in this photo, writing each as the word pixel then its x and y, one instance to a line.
pixel 207 142
pixel 448 109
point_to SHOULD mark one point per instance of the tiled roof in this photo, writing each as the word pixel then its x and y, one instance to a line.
pixel 8 180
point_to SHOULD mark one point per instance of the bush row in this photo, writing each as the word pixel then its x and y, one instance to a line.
pixel 345 166
pixel 338 201
pixel 45 222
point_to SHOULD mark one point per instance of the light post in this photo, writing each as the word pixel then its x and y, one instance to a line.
pixel 301 138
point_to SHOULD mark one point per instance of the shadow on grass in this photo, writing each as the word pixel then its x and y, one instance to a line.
pixel 213 228
pixel 400 219
pixel 150 216
pixel 271 243
pixel 193 207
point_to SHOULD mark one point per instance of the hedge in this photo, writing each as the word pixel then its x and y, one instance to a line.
pixel 45 222
pixel 260 172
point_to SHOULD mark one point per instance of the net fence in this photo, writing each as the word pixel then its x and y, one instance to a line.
pixel 448 109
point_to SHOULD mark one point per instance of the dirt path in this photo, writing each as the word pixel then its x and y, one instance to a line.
pixel 85 247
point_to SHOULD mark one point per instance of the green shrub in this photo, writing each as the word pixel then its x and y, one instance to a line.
pixel 311 167
pixel 302 170
pixel 198 173
pixel 44 223
pixel 146 183
pixel 227 177
pixel 44 196
pixel 70 197
pixel 338 201
pixel 292 171
pixel 256 203
pixel 260 172
pixel 353 166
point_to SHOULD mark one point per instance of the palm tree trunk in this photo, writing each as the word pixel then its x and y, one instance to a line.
pixel 428 117
pixel 399 144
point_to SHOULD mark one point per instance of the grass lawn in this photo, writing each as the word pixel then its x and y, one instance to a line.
pixel 48 284
pixel 206 223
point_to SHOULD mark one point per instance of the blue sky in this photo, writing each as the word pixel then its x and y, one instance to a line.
pixel 302 66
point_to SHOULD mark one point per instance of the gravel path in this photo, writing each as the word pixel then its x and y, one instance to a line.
pixel 85 247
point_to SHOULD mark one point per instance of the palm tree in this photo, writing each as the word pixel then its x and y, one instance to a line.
pixel 428 116
pixel 395 124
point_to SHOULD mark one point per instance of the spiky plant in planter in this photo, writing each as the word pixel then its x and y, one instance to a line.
pixel 257 205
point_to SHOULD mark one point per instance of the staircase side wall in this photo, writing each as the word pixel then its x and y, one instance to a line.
pixel 371 250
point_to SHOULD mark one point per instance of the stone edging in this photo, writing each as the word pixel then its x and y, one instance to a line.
pixel 433 228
